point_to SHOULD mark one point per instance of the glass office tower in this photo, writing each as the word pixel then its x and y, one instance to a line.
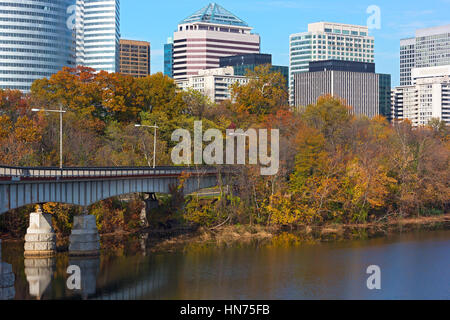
pixel 248 62
pixel 35 41
pixel 168 58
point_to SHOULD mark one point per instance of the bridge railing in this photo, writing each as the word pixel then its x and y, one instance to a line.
pixel 22 172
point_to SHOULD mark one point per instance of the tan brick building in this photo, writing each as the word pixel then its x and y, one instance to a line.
pixel 135 58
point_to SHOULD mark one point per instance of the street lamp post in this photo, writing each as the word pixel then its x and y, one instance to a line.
pixel 61 112
pixel 154 140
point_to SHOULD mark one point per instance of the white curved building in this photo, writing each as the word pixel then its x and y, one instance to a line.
pixel 98 34
pixel 35 40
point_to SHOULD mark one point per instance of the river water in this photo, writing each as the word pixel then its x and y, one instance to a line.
pixel 413 266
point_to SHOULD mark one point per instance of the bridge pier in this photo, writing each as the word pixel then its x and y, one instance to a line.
pixel 7 278
pixel 40 240
pixel 84 240
pixel 151 202
pixel 39 273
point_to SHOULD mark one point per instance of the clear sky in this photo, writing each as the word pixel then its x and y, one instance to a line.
pixel 155 20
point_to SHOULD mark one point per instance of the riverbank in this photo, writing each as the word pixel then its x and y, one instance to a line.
pixel 178 239
pixel 240 234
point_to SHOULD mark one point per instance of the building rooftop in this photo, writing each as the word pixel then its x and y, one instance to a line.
pixel 245 59
pixel 341 65
pixel 214 13
pixel 426 32
pixel 136 42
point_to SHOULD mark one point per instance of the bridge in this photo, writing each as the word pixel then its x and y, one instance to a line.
pixel 20 186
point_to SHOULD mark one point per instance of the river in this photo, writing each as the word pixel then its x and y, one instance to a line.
pixel 413 266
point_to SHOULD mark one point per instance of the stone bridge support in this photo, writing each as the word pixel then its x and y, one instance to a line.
pixel 40 240
pixel 151 202
pixel 84 240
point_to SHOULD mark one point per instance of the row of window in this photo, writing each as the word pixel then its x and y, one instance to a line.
pixel 346 32
pixel 26 72
pixel 28 58
pixel 22 88
pixel 28 65
pixel 36 44
pixel 314 36
pixel 32 36
pixel 33 6
pixel 31 13
pixel 26 50
pixel 33 28
pixel 61 24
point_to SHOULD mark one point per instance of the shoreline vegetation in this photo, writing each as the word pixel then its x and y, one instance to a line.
pixel 177 240
pixel 246 234
pixel 345 172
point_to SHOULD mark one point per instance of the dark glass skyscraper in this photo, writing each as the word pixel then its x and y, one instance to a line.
pixel 168 58
pixel 247 62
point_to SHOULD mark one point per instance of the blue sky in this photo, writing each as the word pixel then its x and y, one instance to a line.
pixel 275 20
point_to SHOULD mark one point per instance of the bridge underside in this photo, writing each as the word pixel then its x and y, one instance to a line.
pixel 85 193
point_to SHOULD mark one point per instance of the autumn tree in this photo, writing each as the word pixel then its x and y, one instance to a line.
pixel 197 104
pixel 18 141
pixel 265 92
pixel 108 96
pixel 75 89
pixel 159 93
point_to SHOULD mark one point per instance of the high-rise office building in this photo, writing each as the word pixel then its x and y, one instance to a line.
pixel 168 58
pixel 326 41
pixel 135 58
pixel 208 34
pixel 429 48
pixel 35 41
pixel 98 34
pixel 248 62
pixel 427 98
pixel 407 60
pixel 367 92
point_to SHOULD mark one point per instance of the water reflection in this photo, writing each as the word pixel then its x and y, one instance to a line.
pixel 143 240
pixel 39 274
pixel 89 269
pixel 414 266
pixel 7 278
